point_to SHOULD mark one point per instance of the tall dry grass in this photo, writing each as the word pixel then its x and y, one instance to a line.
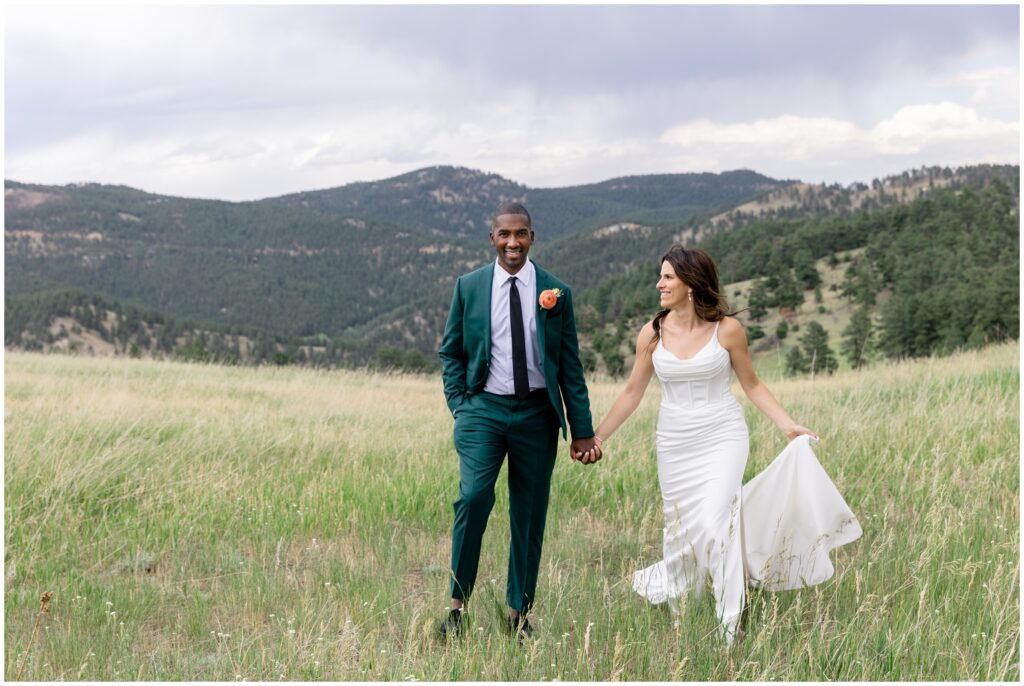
pixel 197 522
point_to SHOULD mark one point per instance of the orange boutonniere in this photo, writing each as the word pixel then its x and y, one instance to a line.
pixel 549 298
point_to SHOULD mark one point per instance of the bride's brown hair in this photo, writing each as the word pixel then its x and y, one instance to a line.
pixel 697 270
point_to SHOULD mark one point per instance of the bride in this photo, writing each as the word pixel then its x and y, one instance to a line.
pixel 775 532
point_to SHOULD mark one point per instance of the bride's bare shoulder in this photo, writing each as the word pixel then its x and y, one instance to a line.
pixel 730 331
pixel 646 335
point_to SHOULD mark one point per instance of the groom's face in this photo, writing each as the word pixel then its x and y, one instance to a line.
pixel 512 237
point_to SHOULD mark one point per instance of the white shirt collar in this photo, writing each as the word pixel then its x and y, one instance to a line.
pixel 526 275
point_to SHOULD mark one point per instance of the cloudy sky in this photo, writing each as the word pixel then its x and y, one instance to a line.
pixel 244 102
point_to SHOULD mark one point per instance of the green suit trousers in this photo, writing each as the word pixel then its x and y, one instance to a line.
pixel 487 428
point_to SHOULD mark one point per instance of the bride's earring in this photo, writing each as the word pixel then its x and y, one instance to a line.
pixel 690 295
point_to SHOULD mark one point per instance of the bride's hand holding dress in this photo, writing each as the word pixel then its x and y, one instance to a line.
pixel 795 430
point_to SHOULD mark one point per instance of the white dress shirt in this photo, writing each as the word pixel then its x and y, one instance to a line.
pixel 500 380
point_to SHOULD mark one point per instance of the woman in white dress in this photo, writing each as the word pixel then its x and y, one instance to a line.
pixel 775 532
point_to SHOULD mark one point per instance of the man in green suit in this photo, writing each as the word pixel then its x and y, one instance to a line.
pixel 510 360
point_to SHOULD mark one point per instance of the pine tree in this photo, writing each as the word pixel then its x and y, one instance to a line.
pixel 806 271
pixel 858 339
pixel 788 293
pixel 860 283
pixel 759 300
pixel 796 363
pixel 588 358
pixel 614 362
pixel 820 357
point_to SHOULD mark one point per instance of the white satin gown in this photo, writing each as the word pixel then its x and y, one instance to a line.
pixel 774 533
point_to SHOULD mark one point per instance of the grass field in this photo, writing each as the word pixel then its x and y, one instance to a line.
pixel 197 522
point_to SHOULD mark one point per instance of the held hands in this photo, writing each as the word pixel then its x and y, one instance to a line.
pixel 585 450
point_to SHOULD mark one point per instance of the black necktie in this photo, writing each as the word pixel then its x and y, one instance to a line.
pixel 515 318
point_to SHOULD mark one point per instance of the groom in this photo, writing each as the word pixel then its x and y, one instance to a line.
pixel 510 360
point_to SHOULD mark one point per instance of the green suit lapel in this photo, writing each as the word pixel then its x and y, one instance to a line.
pixel 486 303
pixel 542 315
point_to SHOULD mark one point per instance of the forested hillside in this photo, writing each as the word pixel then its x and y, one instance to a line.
pixel 286 271
pixel 116 270
pixel 455 201
pixel 946 263
pixel 798 200
pixel 374 282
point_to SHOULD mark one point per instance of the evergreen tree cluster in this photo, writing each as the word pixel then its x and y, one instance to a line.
pixel 142 332
pixel 950 261
pixel 287 273
pixel 813 355
pixel 800 201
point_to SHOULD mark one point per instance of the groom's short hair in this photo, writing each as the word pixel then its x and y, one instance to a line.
pixel 512 208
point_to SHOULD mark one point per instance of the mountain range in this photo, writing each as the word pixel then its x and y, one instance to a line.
pixel 348 272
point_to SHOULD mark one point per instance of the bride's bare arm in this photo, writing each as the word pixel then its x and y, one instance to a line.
pixel 734 339
pixel 633 393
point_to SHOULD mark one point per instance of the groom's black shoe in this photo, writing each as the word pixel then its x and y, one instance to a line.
pixel 452 624
pixel 519 626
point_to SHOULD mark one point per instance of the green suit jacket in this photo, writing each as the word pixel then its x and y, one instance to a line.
pixel 466 348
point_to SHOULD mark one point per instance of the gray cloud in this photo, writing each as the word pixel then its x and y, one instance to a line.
pixel 245 101
pixel 583 48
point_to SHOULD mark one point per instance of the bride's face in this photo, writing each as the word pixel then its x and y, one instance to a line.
pixel 672 291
